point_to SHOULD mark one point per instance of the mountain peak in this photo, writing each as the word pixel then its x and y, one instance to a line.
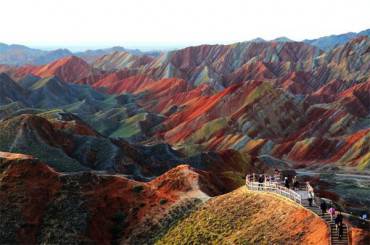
pixel 69 69
pixel 282 39
pixel 258 40
pixel 72 59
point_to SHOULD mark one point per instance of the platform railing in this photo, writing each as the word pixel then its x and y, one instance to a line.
pixel 275 187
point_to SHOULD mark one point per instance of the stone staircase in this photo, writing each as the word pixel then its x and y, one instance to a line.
pixel 333 232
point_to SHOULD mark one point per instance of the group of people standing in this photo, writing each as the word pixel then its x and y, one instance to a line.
pixel 276 177
pixel 337 216
pixel 294 184
pixel 261 178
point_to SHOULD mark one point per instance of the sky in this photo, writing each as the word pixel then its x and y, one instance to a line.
pixel 161 24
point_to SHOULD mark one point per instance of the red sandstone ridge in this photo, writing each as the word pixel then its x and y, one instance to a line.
pixel 121 60
pixel 347 149
pixel 127 84
pixel 69 69
pixel 261 97
pixel 111 78
pixel 159 95
pixel 106 207
pixel 27 186
pixel 185 180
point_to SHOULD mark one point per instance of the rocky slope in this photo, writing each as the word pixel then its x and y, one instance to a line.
pixel 88 207
pixel 286 99
pixel 69 69
pixel 242 216
pixel 68 144
pixel 120 60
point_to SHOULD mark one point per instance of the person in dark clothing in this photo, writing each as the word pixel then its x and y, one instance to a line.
pixel 286 182
pixel 277 175
pixel 261 179
pixel 310 198
pixel 340 231
pixel 295 183
pixel 323 207
pixel 338 220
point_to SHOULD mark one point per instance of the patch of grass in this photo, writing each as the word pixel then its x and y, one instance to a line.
pixel 246 217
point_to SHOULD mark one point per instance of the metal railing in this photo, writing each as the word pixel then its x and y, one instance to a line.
pixel 276 188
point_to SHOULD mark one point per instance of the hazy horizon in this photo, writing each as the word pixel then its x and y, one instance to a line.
pixel 165 24
pixel 150 46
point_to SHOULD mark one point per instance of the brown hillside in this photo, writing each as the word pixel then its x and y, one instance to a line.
pixel 246 217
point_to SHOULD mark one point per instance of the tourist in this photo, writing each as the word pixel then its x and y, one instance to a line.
pixel 254 177
pixel 338 220
pixel 310 198
pixel 286 182
pixel 340 231
pixel 331 212
pixel 323 207
pixel 295 183
pixel 311 194
pixel 364 218
pixel 309 187
pixel 267 180
pixel 261 179
pixel 277 175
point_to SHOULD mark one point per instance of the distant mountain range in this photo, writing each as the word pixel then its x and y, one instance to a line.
pixel 204 98
pixel 20 55
pixel 325 43
pixel 329 42
pixel 15 54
